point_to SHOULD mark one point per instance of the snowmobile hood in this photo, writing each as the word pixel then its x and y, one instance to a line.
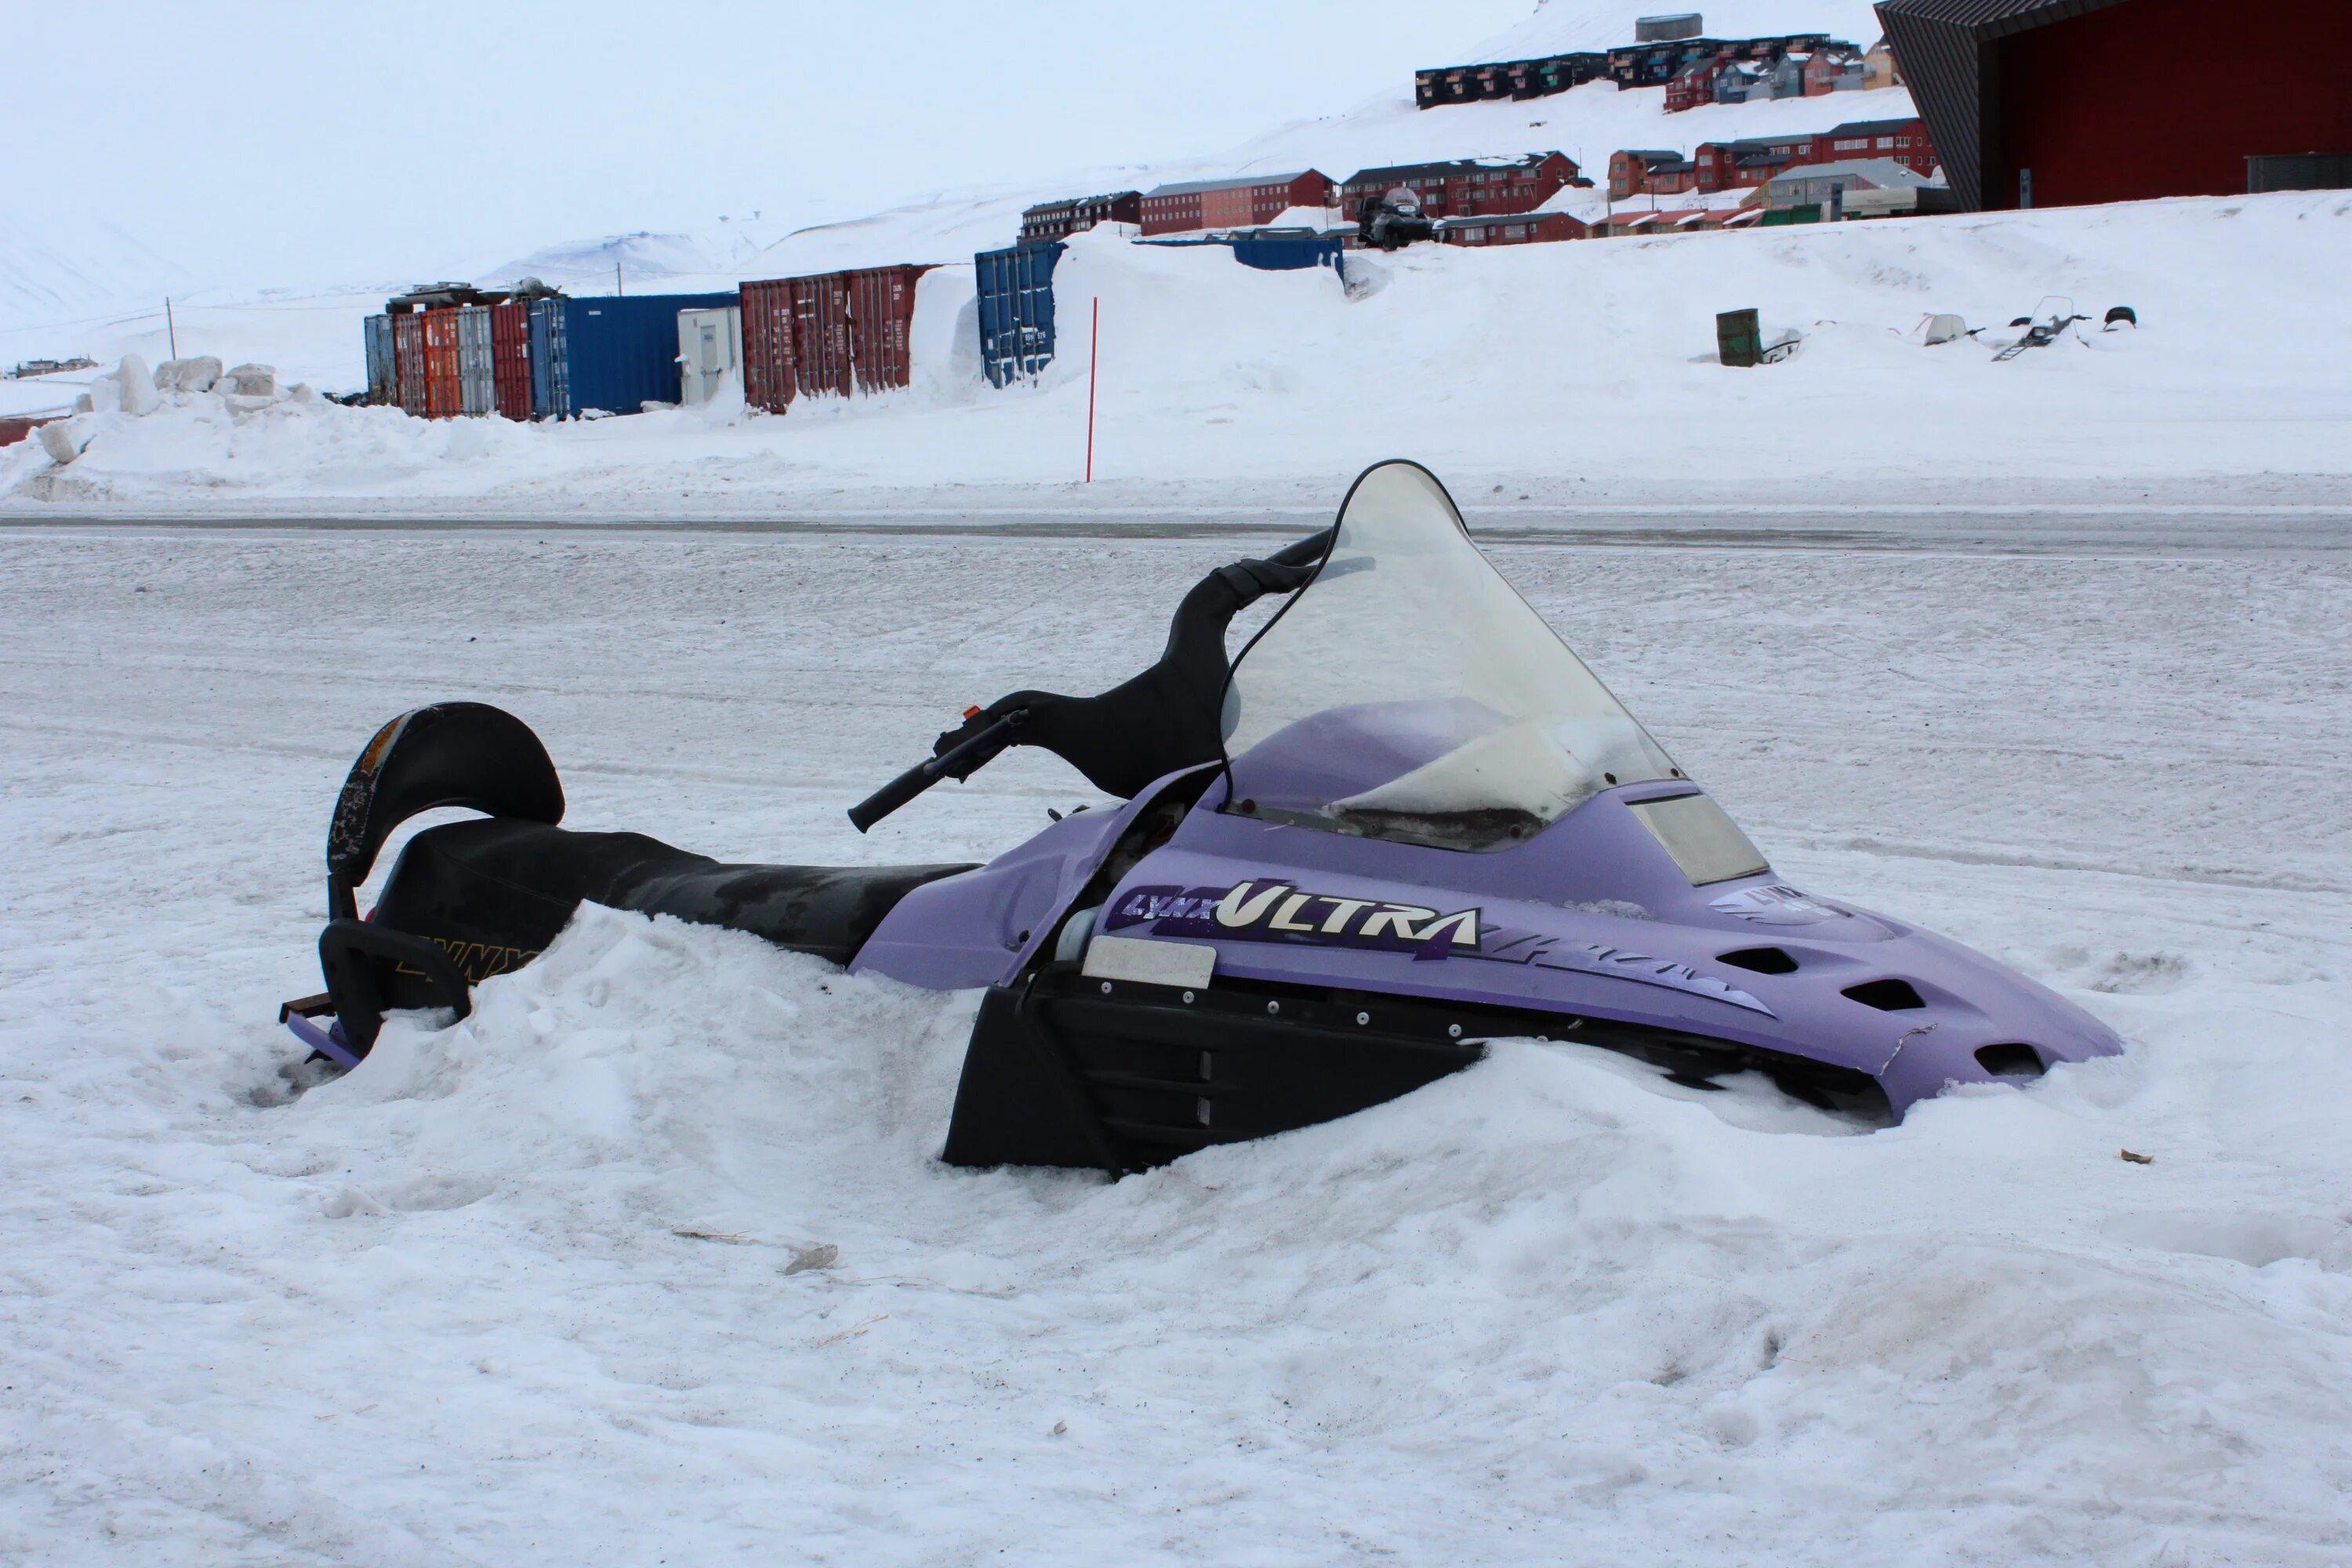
pixel 1596 919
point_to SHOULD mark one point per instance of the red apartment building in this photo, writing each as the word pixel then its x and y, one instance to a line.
pixel 1649 173
pixel 1465 188
pixel 1241 203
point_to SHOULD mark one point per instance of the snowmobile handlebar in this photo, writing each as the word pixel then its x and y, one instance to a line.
pixel 957 761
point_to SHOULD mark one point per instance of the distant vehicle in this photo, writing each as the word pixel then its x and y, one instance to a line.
pixel 1394 221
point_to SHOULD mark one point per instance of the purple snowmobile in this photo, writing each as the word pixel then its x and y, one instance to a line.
pixel 1404 821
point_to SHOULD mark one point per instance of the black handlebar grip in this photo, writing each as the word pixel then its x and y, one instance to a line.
pixel 931 770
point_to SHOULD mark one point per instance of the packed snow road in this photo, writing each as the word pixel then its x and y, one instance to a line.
pixel 650 1261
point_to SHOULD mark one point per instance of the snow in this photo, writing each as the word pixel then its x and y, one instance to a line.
pixel 551 1286
pixel 1573 374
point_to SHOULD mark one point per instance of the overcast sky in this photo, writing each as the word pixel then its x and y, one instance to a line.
pixel 303 142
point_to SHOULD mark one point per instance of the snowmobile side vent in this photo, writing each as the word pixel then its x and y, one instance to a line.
pixel 1761 960
pixel 1887 995
pixel 2011 1062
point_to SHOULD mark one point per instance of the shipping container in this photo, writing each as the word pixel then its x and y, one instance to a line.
pixel 1738 340
pixel 546 329
pixel 443 383
pixel 511 350
pixel 15 428
pixel 770 376
pixel 2299 171
pixel 1286 254
pixel 821 353
pixel 881 315
pixel 1015 286
pixel 610 353
pixel 710 353
pixel 477 364
pixel 408 361
pixel 382 384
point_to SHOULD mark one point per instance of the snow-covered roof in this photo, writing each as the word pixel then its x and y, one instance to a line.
pixel 1871 127
pixel 1884 173
pixel 1396 173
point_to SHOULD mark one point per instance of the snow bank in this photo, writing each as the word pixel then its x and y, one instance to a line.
pixel 1554 1293
pixel 1572 371
pixel 1552 1310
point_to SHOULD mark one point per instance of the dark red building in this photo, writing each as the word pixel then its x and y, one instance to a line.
pixel 1649 171
pixel 1731 166
pixel 2065 103
pixel 1512 229
pixel 1464 187
pixel 1243 203
pixel 1072 214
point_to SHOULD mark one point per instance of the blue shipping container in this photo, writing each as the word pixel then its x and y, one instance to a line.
pixel 383 384
pixel 1286 255
pixel 609 353
pixel 1016 309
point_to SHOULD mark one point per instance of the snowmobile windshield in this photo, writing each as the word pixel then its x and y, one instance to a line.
pixel 1409 693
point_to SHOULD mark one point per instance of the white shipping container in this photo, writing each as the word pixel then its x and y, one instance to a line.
pixel 709 353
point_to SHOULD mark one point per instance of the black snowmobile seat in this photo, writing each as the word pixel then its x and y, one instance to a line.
pixel 493 893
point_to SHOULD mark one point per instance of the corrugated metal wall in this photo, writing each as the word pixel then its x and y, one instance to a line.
pixel 769 377
pixel 478 391
pixel 609 353
pixel 881 313
pixel 444 382
pixel 408 361
pixel 821 351
pixel 510 352
pixel 1015 287
pixel 546 357
pixel 382 378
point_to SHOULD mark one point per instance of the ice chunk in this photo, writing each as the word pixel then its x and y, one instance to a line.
pixel 135 385
pixel 199 372
pixel 59 440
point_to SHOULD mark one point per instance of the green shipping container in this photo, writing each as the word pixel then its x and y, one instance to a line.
pixel 1738 340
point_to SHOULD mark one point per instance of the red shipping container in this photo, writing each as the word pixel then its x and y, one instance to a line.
pixel 444 396
pixel 821 349
pixel 881 312
pixel 408 361
pixel 769 378
pixel 510 357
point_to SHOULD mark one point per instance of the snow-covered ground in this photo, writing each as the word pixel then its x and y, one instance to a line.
pixel 1553 1310
pixel 1571 372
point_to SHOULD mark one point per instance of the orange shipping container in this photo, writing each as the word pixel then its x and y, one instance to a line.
pixel 444 377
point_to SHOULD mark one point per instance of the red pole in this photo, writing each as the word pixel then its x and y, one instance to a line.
pixel 1093 357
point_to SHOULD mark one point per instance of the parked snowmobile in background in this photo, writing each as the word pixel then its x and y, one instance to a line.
pixel 1405 821
pixel 1394 221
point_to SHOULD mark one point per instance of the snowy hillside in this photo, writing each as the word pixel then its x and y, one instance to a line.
pixel 1567 374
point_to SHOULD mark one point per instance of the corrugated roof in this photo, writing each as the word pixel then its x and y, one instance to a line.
pixel 1185 187
pixel 1992 18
